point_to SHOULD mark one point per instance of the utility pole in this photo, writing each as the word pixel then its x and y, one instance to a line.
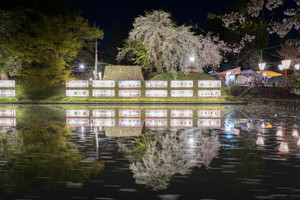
pixel 96 60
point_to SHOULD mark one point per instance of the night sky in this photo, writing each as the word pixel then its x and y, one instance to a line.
pixel 107 13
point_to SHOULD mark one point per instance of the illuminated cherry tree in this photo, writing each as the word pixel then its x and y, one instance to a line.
pixel 166 46
pixel 280 25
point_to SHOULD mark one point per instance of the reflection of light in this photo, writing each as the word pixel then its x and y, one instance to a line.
pixel 191 141
pixel 298 143
pixel 295 133
pixel 279 132
pixel 284 147
pixel 260 140
pixel 82 129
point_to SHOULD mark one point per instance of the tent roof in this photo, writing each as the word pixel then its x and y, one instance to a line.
pixel 270 73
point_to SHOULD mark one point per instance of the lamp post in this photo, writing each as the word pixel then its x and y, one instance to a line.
pixel 285 67
pixel 96 60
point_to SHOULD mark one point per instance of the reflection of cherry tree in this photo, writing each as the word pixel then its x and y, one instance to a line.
pixel 175 152
pixel 10 140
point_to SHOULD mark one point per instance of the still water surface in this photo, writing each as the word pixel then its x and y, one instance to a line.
pixel 148 152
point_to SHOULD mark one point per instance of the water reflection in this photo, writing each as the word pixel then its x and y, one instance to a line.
pixel 67 146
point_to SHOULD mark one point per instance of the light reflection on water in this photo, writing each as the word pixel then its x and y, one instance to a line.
pixel 149 152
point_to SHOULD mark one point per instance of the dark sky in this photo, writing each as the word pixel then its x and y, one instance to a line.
pixel 106 13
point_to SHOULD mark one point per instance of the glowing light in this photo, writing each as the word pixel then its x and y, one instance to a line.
pixel 192 58
pixel 104 93
pixel 181 93
pixel 129 93
pixel 5 122
pixel 209 113
pixel 156 93
pixel 7 83
pixel 281 67
pixel 77 93
pixel 7 93
pixel 209 83
pixel 295 133
pixel 182 113
pixel 104 122
pixel 182 84
pixel 77 84
pixel 260 140
pixel 130 122
pixel 7 112
pixel 181 122
pixel 129 113
pixel 103 113
pixel 209 93
pixel 209 123
pixel 81 66
pixel 129 84
pixel 156 84
pixel 261 66
pixel 297 66
pixel 77 113
pixel 279 132
pixel 103 83
pixel 283 147
pixel 156 122
pixel 286 64
pixel 156 113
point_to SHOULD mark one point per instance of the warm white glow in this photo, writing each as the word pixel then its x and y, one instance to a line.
pixel 77 84
pixel 284 147
pixel 260 140
pixel 295 133
pixel 209 93
pixel 156 122
pixel 77 93
pixel 209 123
pixel 130 122
pixel 286 64
pixel 7 84
pixel 81 66
pixel 281 67
pixel 209 113
pixel 261 66
pixel 104 93
pixel 209 83
pixel 279 132
pixel 77 113
pixel 156 113
pixel 182 84
pixel 129 113
pixel 181 113
pixel 192 58
pixel 181 122
pixel 156 93
pixel 297 66
pixel 103 113
pixel 103 83
pixel 5 122
pixel 7 112
pixel 181 93
pixel 156 84
pixel 129 84
pixel 7 93
pixel 104 122
pixel 129 93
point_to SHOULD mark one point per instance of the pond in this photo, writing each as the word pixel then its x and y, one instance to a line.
pixel 164 152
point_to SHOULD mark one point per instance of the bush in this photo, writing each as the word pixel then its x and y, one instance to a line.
pixel 120 72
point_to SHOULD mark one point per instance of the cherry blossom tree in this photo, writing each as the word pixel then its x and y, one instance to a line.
pixel 166 46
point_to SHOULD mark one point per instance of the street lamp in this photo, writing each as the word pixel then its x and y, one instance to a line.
pixel 262 66
pixel 81 66
pixel 285 67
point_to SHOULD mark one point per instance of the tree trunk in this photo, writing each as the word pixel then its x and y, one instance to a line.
pixel 159 69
